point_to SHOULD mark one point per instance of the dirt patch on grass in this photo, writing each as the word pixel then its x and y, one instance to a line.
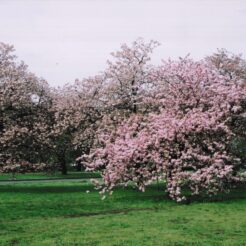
pixel 108 212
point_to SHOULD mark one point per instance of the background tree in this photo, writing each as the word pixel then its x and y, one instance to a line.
pixel 126 78
pixel 124 86
pixel 77 109
pixel 24 120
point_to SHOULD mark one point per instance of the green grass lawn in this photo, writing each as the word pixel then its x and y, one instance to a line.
pixel 57 175
pixel 62 213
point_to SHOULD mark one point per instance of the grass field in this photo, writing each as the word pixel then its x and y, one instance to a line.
pixel 63 213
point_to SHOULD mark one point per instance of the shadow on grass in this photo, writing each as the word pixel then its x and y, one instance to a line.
pixel 152 193
pixel 236 193
pixel 46 189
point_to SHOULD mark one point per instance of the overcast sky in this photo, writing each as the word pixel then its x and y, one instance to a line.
pixel 62 40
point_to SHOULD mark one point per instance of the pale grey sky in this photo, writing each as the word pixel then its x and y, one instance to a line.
pixel 62 40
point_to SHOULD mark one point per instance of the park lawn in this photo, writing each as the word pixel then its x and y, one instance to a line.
pixel 63 213
pixel 56 175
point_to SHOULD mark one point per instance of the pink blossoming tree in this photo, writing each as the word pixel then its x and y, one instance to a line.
pixel 24 119
pixel 77 109
pixel 187 142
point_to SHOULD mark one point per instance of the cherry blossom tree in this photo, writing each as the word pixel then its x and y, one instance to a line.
pixel 124 85
pixel 77 109
pixel 187 142
pixel 24 103
pixel 120 89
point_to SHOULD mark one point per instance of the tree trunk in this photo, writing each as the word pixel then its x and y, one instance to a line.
pixel 63 165
pixel 63 168
pixel 134 94
pixel 79 167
